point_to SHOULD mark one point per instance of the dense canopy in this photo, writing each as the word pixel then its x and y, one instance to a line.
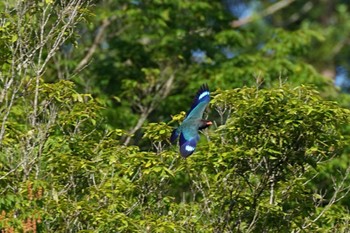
pixel 90 92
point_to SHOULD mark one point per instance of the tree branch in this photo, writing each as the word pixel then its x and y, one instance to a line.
pixel 99 36
pixel 164 92
pixel 268 11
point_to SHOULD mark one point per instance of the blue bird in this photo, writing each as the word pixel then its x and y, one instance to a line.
pixel 188 130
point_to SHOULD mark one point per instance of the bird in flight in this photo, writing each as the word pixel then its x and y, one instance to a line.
pixel 188 130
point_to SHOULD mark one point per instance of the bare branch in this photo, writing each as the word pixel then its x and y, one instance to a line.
pixel 268 11
pixel 338 188
pixel 163 90
pixel 97 41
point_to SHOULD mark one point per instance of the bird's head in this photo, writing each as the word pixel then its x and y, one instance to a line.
pixel 204 124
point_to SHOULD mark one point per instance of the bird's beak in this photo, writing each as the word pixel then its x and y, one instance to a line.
pixel 209 123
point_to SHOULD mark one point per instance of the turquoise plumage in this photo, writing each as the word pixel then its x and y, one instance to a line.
pixel 188 130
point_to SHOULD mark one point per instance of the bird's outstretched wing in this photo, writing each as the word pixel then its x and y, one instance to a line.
pixel 200 102
pixel 188 144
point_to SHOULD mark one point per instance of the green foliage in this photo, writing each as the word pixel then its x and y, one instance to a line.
pixel 250 174
pixel 277 120
pixel 87 104
pixel 270 139
pixel 159 40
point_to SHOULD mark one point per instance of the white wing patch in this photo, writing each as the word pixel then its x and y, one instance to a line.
pixel 189 148
pixel 201 96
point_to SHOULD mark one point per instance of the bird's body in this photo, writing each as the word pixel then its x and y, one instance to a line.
pixel 188 130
